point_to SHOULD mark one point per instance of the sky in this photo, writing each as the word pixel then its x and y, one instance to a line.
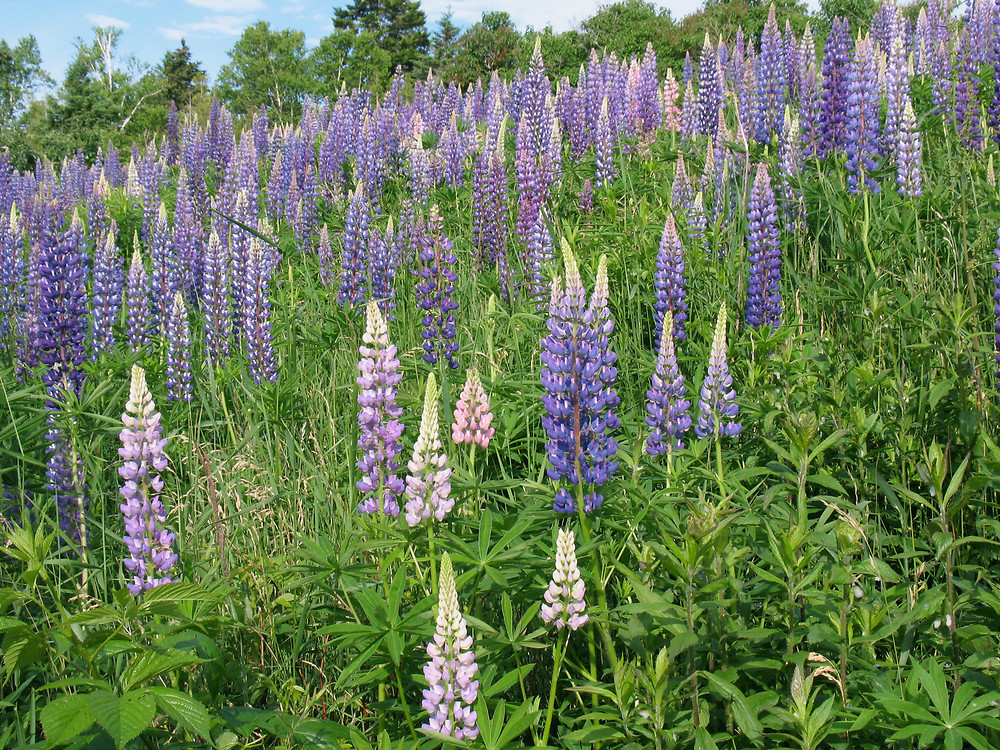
pixel 211 27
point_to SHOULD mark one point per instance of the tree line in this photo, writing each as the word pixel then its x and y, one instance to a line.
pixel 105 97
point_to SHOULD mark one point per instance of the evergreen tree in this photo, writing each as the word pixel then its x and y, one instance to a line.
pixel 398 26
pixel 181 75
pixel 444 44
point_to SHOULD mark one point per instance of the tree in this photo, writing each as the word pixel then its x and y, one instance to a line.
pixel 20 74
pixel 492 43
pixel 444 44
pixel 181 75
pixel 625 27
pixel 265 67
pixel 354 60
pixel 398 27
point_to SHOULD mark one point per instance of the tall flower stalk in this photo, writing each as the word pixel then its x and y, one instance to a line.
pixel 379 424
pixel 150 544
pixel 451 688
pixel 666 406
pixel 427 487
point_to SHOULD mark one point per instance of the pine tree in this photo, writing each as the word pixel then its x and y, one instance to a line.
pixel 398 26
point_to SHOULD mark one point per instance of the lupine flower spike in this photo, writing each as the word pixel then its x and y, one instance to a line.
pixel 666 405
pixel 564 599
pixel 150 545
pixel 718 397
pixel 379 425
pixel 427 486
pixel 473 417
pixel 451 690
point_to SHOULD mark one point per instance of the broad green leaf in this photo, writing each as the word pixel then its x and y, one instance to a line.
pixel 185 710
pixel 124 718
pixel 65 717
pixel 151 664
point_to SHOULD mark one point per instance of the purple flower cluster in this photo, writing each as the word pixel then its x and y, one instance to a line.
pixel 179 386
pixel 718 397
pixel 436 293
pixel 578 375
pixel 666 405
pixel 668 282
pixel 150 544
pixel 764 246
pixel 379 424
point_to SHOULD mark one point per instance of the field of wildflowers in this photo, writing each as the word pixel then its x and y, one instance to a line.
pixel 635 411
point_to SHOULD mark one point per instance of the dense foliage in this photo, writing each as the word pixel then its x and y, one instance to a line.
pixel 647 409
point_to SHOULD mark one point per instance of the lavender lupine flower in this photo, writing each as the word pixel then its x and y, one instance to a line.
pixel 771 81
pixel 451 690
pixel 810 101
pixel 666 405
pixel 257 334
pixel 718 397
pixel 109 280
pixel 325 253
pixel 578 375
pixel 966 112
pixel 993 108
pixel 668 282
pixel 473 418
pixel 354 283
pixel 215 302
pixel 178 352
pixel 379 424
pixel 382 267
pixel 764 246
pixel 436 293
pixel 150 544
pixel 909 175
pixel 564 599
pixel 996 308
pixel 710 94
pixel 64 478
pixel 604 149
pixel 689 114
pixel 897 87
pixel 12 271
pixel 862 131
pixel 836 58
pixel 681 191
pixel 586 201
pixel 697 224
pixel 165 268
pixel 427 487
pixel 138 313
pixel 790 166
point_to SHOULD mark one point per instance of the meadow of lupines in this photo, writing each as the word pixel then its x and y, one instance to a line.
pixel 634 411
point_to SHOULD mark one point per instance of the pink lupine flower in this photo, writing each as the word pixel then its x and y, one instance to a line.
pixel 472 414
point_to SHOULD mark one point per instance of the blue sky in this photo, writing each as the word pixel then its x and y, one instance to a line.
pixel 210 27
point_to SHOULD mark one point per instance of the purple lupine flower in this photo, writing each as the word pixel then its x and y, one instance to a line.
pixel 966 111
pixel 138 313
pixel 324 253
pixel 379 424
pixel 697 223
pixel 586 201
pixel 897 87
pixel 718 397
pixel 12 272
pixel 473 418
pixel 668 282
pixel 165 269
pixel 909 175
pixel 996 308
pixel 810 97
pixel 451 688
pixel 419 164
pixel 565 604
pixel 178 332
pixel 382 267
pixel 862 132
pixel 64 478
pixel 436 293
pixel 687 69
pixel 764 246
pixel 188 239
pixel 790 166
pixel 150 544
pixel 710 94
pixel 772 86
pixel 993 108
pixel 681 191
pixel 689 114
pixel 109 281
pixel 215 303
pixel 603 150
pixel 578 375
pixel 61 329
pixel 836 58
pixel 257 335
pixel 173 140
pixel 538 253
pixel 353 279
pixel 666 405
pixel 428 490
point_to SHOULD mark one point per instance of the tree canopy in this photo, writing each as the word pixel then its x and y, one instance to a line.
pixel 265 67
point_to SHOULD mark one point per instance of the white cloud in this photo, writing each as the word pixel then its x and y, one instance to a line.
pixel 98 20
pixel 224 25
pixel 228 6
pixel 293 7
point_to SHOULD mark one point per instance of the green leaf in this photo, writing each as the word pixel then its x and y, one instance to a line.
pixel 745 716
pixel 182 591
pixel 65 717
pixel 21 648
pixel 124 718
pixel 185 710
pixel 151 664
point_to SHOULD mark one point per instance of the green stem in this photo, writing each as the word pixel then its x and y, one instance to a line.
pixel 406 706
pixel 557 657
pixel 430 556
